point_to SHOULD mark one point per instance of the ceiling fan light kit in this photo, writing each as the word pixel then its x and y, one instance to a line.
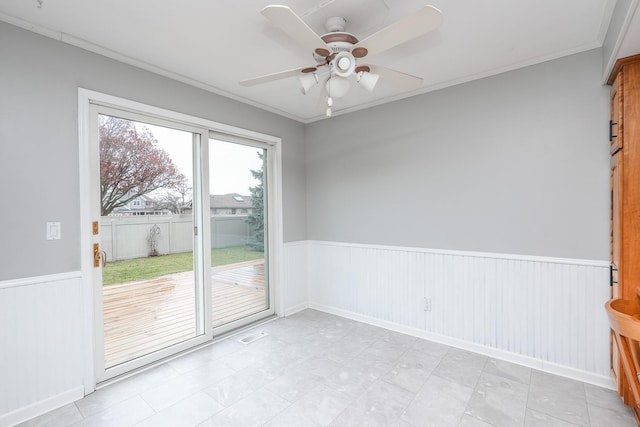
pixel 337 87
pixel 307 81
pixel 367 80
pixel 339 51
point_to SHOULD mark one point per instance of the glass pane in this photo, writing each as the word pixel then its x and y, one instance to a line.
pixel 146 180
pixel 238 229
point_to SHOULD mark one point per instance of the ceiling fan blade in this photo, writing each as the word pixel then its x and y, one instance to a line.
pixel 408 28
pixel 272 77
pixel 397 79
pixel 287 20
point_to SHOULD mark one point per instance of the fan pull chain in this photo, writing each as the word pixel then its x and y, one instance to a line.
pixel 329 99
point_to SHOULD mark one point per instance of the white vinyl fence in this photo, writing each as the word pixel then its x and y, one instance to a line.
pixel 127 237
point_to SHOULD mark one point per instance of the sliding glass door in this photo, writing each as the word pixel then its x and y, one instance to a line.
pixel 239 206
pixel 147 246
pixel 183 230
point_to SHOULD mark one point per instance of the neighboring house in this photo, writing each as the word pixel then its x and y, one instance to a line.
pixel 230 204
pixel 142 205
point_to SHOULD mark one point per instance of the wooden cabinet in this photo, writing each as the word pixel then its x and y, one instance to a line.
pixel 625 176
pixel 616 203
pixel 615 141
pixel 616 170
pixel 624 140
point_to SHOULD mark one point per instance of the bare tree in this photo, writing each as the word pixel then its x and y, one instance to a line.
pixel 131 164
pixel 175 200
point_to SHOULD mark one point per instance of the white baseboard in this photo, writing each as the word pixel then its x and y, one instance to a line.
pixel 587 377
pixel 547 313
pixel 38 408
pixel 296 308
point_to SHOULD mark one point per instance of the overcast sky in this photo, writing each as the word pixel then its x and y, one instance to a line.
pixel 230 164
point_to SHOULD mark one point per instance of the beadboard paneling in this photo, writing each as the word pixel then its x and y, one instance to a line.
pixel 382 283
pixel 545 309
pixel 294 286
pixel 41 342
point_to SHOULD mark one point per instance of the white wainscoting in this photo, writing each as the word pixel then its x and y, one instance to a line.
pixel 294 275
pixel 547 313
pixel 41 336
pixel 543 312
pixel 40 345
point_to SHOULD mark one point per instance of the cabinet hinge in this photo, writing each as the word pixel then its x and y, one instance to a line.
pixel 611 270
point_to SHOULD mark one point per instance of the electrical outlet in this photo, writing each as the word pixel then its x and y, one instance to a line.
pixel 427 304
pixel 54 231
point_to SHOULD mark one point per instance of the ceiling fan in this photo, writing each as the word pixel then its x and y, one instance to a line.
pixel 340 51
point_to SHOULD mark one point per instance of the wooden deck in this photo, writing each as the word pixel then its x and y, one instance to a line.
pixel 148 315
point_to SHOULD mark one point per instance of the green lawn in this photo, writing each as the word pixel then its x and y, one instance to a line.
pixel 144 268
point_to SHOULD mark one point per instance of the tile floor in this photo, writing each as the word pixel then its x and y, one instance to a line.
pixel 316 369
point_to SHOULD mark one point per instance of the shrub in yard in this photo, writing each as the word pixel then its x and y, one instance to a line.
pixel 152 239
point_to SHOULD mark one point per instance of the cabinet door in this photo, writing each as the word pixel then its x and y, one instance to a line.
pixel 616 204
pixel 616 220
pixel 615 126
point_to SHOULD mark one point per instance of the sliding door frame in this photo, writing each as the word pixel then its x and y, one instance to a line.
pixel 202 263
pixel 270 246
pixel 91 313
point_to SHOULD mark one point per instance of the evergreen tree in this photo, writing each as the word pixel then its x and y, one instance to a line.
pixel 256 217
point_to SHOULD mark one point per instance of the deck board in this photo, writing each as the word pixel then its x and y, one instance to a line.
pixel 147 315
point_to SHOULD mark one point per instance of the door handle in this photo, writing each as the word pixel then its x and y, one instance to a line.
pixel 99 257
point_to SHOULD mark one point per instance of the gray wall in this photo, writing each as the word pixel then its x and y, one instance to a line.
pixel 39 80
pixel 516 163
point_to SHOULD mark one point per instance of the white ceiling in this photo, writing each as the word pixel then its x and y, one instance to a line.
pixel 215 44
